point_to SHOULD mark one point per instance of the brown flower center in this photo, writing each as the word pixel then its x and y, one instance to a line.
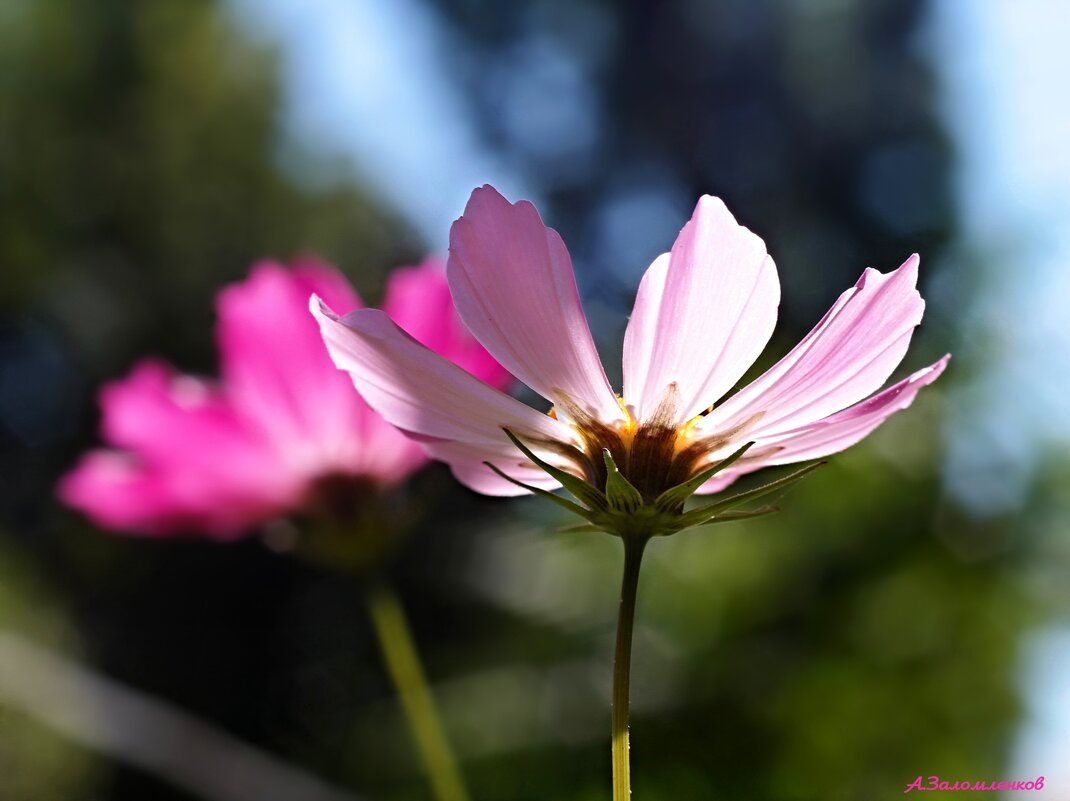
pixel 653 455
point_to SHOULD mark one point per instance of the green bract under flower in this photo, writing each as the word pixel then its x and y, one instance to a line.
pixel 617 506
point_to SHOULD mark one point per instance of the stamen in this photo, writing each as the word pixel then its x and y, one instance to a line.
pixel 650 458
pixel 716 441
pixel 653 454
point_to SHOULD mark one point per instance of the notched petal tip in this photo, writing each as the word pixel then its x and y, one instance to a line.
pixel 907 272
pixel 512 283
pixel 487 196
pixel 702 316
pixel 711 206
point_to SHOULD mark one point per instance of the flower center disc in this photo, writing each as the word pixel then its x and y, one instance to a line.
pixel 653 455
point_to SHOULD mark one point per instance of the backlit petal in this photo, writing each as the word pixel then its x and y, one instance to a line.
pixel 832 434
pixel 844 429
pixel 418 300
pixel 848 355
pixel 703 314
pixel 467 462
pixel 513 284
pixel 480 478
pixel 422 393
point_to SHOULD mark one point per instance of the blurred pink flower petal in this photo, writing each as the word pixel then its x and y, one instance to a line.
pixel 703 314
pixel 122 494
pixel 217 458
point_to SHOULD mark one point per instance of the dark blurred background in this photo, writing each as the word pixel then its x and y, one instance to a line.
pixel 906 614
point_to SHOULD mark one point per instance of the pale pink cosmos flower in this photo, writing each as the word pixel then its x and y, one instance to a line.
pixel 703 314
pixel 219 457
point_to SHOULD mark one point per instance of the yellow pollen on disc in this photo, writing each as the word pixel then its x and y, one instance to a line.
pixel 629 425
pixel 626 428
pixel 653 454
pixel 686 432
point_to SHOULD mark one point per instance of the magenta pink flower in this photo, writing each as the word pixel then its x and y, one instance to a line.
pixel 703 314
pixel 218 457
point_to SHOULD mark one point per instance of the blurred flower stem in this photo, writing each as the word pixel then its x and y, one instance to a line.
pixel 622 665
pixel 403 665
pixel 358 532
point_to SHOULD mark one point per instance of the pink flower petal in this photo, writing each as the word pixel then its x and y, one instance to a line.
pixel 418 300
pixel 170 419
pixel 192 462
pixel 480 478
pixel 832 434
pixel 380 453
pixel 220 458
pixel 278 375
pixel 848 355
pixel 117 493
pixel 316 277
pixel 844 429
pixel 513 285
pixel 422 393
pixel 702 316
pixel 467 463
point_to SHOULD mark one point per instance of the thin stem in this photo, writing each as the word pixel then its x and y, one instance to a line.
pixel 622 663
pixel 403 664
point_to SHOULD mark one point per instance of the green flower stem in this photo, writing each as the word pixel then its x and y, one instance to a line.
pixel 633 556
pixel 403 665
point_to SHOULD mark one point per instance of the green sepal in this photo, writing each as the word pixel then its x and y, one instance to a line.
pixel 575 508
pixel 581 528
pixel 745 514
pixel 704 514
pixel 686 521
pixel 674 498
pixel 583 491
pixel 622 496
pixel 765 489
